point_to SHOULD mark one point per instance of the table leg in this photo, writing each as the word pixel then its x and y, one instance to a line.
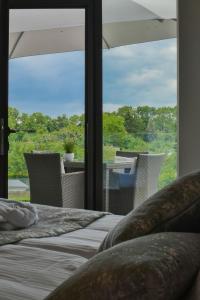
pixel 107 190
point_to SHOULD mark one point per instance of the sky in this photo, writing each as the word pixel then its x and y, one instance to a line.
pixel 134 75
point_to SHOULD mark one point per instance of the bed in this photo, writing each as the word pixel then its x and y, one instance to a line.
pixel 32 267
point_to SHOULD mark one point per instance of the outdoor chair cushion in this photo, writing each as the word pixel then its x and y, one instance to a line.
pixel 119 180
pixel 127 180
pixel 174 208
pixel 159 266
pixel 121 159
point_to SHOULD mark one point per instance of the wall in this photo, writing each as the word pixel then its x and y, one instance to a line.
pixel 189 85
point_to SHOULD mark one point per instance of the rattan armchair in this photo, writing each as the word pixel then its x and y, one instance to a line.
pixel 144 183
pixel 49 186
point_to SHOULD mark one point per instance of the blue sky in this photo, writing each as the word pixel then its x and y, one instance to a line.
pixel 142 74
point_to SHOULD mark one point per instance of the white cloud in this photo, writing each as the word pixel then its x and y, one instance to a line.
pixel 170 51
pixel 148 77
pixel 43 67
pixel 121 52
pixel 143 74
pixel 172 85
pixel 48 67
pixel 110 107
pixel 73 108
pixel 70 107
pixel 143 77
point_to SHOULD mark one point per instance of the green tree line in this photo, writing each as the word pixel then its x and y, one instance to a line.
pixel 143 128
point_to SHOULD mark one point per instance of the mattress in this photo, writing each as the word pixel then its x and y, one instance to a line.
pixel 34 267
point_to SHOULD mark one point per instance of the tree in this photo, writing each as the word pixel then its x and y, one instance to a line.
pixel 61 122
pixel 114 130
pixel 146 113
pixel 13 117
pixel 133 122
pixel 164 120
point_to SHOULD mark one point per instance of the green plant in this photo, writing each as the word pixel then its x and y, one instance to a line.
pixel 69 146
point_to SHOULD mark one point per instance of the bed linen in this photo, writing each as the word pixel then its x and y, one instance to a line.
pixel 53 221
pixel 84 242
pixel 16 215
pixel 33 267
pixel 28 273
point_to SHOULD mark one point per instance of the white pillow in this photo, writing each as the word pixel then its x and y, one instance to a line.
pixel 121 159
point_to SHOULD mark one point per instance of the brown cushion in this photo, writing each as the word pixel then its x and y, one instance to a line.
pixel 155 267
pixel 174 208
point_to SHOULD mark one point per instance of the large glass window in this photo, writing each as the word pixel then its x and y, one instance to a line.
pixel 139 104
pixel 47 101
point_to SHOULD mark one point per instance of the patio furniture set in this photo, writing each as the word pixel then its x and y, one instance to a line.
pixel 128 181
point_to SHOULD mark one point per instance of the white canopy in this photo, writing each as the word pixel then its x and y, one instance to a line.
pixel 34 32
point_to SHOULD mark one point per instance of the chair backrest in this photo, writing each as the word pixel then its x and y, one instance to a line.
pixel 45 178
pixel 129 154
pixel 147 173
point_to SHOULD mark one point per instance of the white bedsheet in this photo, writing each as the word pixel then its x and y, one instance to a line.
pixel 105 223
pixel 84 242
pixel 31 269
pixel 31 273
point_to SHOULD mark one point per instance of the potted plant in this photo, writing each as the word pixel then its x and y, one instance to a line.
pixel 69 150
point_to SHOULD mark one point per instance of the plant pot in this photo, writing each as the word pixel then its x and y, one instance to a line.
pixel 69 156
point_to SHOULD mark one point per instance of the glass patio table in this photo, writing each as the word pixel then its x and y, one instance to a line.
pixel 108 166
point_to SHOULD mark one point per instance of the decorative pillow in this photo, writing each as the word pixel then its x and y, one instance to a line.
pixel 174 208
pixel 194 293
pixel 155 267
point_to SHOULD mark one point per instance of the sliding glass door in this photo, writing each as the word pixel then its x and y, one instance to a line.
pixel 46 94
pixel 127 145
pixel 54 62
pixel 139 101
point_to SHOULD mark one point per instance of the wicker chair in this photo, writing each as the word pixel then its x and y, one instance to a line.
pixel 145 181
pixel 129 154
pixel 147 174
pixel 49 186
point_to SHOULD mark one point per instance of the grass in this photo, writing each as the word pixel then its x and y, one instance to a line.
pixel 19 196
